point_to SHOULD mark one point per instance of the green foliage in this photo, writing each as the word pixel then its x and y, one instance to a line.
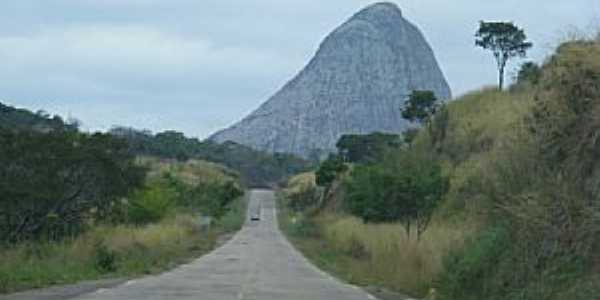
pixel 469 270
pixel 105 259
pixel 409 135
pixel 151 204
pixel 529 73
pixel 217 198
pixel 538 174
pixel 52 184
pixel 366 148
pixel 406 187
pixel 23 120
pixel 329 170
pixel 167 193
pixel 420 106
pixel 505 40
pixel 256 167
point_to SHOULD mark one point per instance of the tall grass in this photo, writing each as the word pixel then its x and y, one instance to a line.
pixel 388 257
pixel 125 249
pixel 112 251
pixel 130 250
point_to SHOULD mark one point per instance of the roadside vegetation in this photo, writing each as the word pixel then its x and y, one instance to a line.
pixel 77 206
pixel 517 215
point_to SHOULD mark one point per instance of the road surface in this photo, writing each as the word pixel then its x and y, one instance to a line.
pixel 257 263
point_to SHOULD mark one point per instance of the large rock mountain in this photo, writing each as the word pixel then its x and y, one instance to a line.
pixel 356 83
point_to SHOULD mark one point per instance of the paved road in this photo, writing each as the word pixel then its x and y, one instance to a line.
pixel 257 263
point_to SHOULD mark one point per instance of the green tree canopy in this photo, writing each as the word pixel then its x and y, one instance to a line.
pixel 505 40
pixel 366 148
pixel 405 187
pixel 530 73
pixel 420 106
pixel 329 170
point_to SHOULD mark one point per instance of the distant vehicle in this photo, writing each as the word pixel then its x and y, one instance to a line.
pixel 255 217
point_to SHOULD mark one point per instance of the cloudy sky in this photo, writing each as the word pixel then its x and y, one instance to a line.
pixel 200 65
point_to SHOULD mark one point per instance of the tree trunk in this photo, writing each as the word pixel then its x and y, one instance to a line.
pixel 501 79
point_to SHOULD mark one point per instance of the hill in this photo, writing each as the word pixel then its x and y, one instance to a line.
pixel 355 84
pixel 520 216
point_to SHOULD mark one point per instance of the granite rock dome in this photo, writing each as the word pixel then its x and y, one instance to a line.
pixel 355 84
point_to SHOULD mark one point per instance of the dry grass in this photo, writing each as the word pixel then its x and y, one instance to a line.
pixel 137 250
pixel 191 172
pixel 300 182
pixel 384 254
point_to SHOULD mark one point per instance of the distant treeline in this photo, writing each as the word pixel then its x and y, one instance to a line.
pixel 257 168
pixel 22 119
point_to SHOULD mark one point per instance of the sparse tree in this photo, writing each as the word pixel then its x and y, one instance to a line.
pixel 406 187
pixel 420 107
pixel 505 40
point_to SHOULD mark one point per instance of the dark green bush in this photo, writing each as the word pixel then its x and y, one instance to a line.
pixel 52 184
pixel 329 170
pixel 105 259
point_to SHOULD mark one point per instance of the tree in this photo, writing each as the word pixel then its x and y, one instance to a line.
pixel 53 184
pixel 329 170
pixel 366 148
pixel 505 40
pixel 530 73
pixel 405 188
pixel 420 107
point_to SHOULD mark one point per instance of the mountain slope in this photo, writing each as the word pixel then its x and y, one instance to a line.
pixel 356 83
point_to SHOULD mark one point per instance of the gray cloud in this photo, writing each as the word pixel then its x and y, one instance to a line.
pixel 197 66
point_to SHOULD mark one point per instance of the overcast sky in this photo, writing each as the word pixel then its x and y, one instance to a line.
pixel 200 65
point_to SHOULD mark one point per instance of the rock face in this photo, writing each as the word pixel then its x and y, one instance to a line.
pixel 356 83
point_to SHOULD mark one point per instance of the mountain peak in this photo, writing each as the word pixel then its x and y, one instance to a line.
pixel 355 84
pixel 379 10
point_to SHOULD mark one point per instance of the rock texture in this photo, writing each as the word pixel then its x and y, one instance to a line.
pixel 356 83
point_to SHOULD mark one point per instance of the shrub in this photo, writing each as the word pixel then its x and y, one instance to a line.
pixel 406 187
pixel 105 259
pixel 151 204
pixel 467 270
pixel 329 170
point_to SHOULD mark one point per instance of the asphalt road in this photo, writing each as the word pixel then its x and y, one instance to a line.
pixel 257 263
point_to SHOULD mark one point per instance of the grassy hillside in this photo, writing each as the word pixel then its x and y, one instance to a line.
pixel 520 218
pixel 157 228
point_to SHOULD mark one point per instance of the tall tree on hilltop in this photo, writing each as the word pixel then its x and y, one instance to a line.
pixel 505 40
